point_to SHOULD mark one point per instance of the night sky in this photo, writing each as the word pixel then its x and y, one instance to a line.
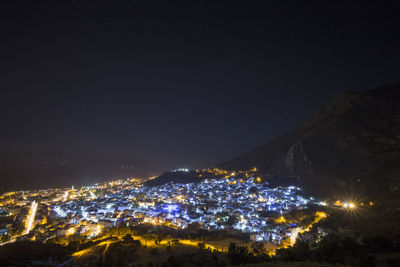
pixel 189 83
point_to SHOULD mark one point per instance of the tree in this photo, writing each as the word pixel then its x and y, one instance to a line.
pixel 159 237
pixel 258 248
pixel 231 220
pixel 154 251
pixel 201 245
pixel 301 250
pixel 377 243
pixel 128 238
pixel 237 254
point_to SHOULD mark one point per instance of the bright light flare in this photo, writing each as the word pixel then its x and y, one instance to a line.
pixel 349 205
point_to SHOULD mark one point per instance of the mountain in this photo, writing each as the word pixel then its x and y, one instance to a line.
pixel 353 143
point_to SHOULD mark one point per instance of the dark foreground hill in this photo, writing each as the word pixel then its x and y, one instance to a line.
pixel 181 177
pixel 352 143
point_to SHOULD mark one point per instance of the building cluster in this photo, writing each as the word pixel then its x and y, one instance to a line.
pixel 231 203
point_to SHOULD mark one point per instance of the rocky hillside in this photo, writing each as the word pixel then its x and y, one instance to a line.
pixel 352 143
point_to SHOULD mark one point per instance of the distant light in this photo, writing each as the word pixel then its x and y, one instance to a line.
pixel 181 170
pixel 349 205
pixel 323 203
pixel 338 203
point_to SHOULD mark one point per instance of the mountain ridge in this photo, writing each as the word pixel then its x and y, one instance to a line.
pixel 338 146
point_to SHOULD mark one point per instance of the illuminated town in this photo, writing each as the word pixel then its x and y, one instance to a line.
pixel 231 203
pixel 242 205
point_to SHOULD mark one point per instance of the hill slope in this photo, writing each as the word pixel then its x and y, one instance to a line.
pixel 175 177
pixel 346 143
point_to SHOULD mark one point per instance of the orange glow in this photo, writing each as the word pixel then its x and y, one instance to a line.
pixel 338 203
pixel 70 231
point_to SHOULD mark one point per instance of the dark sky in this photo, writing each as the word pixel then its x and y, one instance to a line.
pixel 187 83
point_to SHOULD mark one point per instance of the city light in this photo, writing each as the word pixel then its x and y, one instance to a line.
pixel 349 205
pixel 31 217
pixel 249 205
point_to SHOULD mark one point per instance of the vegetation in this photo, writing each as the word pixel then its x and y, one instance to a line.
pixel 361 237
pixel 345 250
pixel 25 252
